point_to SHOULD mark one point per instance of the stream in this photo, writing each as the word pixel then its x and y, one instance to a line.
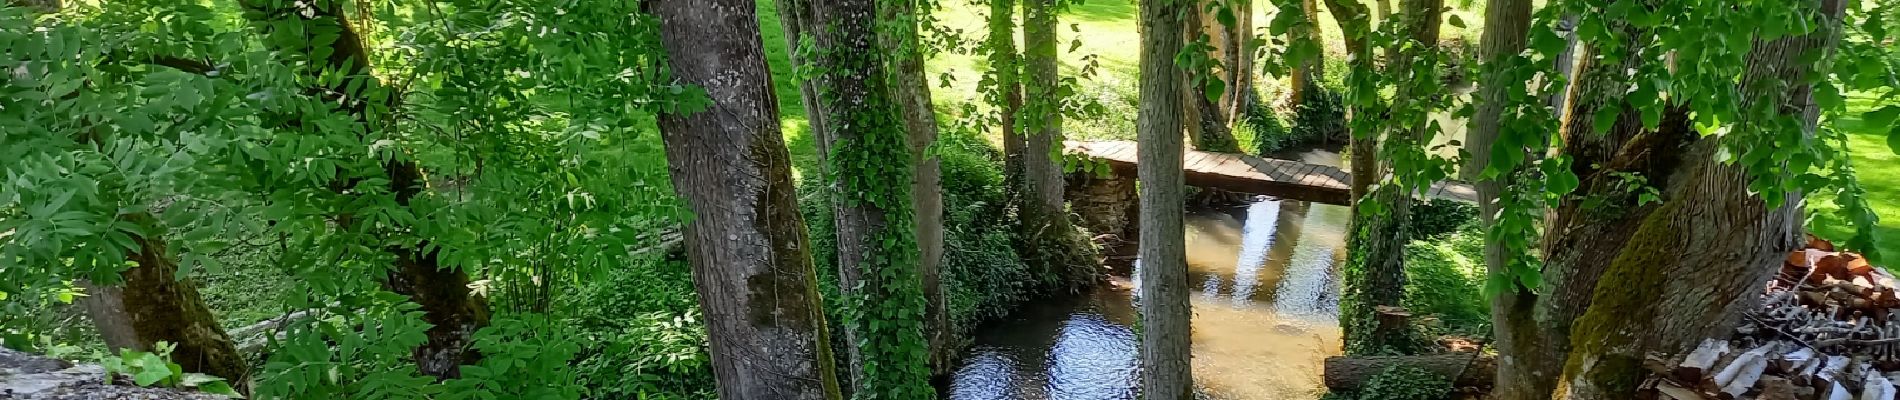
pixel 1265 317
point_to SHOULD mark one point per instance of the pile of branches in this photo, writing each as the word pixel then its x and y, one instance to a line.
pixel 1826 330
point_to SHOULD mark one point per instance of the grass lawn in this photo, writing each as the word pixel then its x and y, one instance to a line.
pixel 1879 171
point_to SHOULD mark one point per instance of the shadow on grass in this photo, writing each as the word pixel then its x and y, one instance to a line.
pixel 1104 10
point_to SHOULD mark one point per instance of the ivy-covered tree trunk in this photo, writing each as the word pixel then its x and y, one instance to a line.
pixel 152 305
pixel 1007 95
pixel 1707 223
pixel 453 311
pixel 1204 118
pixel 1166 365
pixel 1375 277
pixel 1506 26
pixel 912 91
pixel 747 244
pixel 871 171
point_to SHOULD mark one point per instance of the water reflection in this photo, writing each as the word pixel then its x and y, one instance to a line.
pixel 1264 317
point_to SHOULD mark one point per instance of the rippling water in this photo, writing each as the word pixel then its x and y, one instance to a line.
pixel 1265 317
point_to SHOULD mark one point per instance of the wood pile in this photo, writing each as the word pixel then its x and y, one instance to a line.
pixel 1826 330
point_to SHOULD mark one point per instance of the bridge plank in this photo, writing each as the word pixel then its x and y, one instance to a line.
pixel 1248 174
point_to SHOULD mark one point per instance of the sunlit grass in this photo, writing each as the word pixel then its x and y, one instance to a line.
pixel 1879 172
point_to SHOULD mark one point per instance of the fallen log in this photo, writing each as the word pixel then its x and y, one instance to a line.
pixel 1345 373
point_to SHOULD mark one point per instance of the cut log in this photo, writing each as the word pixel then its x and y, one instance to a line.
pixel 1745 377
pixel 1746 367
pixel 1697 364
pixel 1462 369
pixel 1776 388
pixel 1838 392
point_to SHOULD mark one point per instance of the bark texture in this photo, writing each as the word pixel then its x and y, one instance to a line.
pixel 1506 26
pixel 1166 371
pixel 1051 244
pixel 1304 78
pixel 452 310
pixel 1237 57
pixel 1708 224
pixel 912 91
pixel 747 244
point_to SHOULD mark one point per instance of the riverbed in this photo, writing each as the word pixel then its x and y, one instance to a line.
pixel 1266 309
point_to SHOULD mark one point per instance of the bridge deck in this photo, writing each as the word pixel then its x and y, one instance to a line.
pixel 1248 174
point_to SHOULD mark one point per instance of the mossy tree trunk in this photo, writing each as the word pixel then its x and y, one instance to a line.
pixel 452 310
pixel 1707 224
pixel 1166 368
pixel 747 244
pixel 152 305
pixel 912 91
pixel 1506 27
pixel 871 173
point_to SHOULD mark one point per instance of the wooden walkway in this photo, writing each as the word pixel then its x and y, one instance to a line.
pixel 1285 179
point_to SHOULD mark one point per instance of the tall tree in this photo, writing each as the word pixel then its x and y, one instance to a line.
pixel 796 21
pixel 1377 276
pixel 1166 371
pixel 1355 27
pixel 1237 50
pixel 747 244
pixel 871 174
pixel 1704 219
pixel 339 67
pixel 912 91
pixel 1052 244
pixel 1506 27
pixel 1006 90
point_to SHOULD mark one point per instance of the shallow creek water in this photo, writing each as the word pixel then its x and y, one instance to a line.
pixel 1265 317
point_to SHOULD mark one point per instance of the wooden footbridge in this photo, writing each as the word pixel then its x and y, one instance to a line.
pixel 1285 179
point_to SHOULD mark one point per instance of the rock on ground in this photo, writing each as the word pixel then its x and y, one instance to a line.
pixel 26 376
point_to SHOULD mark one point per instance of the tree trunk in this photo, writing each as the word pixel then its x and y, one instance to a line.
pixel 1239 51
pixel 1051 244
pixel 1006 64
pixel 751 260
pixel 1305 76
pixel 1506 26
pixel 795 18
pixel 1708 224
pixel 1566 63
pixel 1354 26
pixel 912 91
pixel 1205 120
pixel 1166 372
pixel 452 310
pixel 152 305
pixel 872 172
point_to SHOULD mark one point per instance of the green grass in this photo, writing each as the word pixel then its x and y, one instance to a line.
pixel 1879 172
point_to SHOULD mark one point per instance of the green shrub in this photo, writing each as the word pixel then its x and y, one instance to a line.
pixel 1321 117
pixel 1433 219
pixel 1406 383
pixel 1445 278
pixel 640 332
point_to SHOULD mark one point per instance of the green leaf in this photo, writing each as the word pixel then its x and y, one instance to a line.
pixel 1881 117
pixel 1605 117
pixel 1893 139
pixel 1213 89
pixel 1456 21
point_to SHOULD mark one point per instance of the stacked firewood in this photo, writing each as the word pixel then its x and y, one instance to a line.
pixel 1826 330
